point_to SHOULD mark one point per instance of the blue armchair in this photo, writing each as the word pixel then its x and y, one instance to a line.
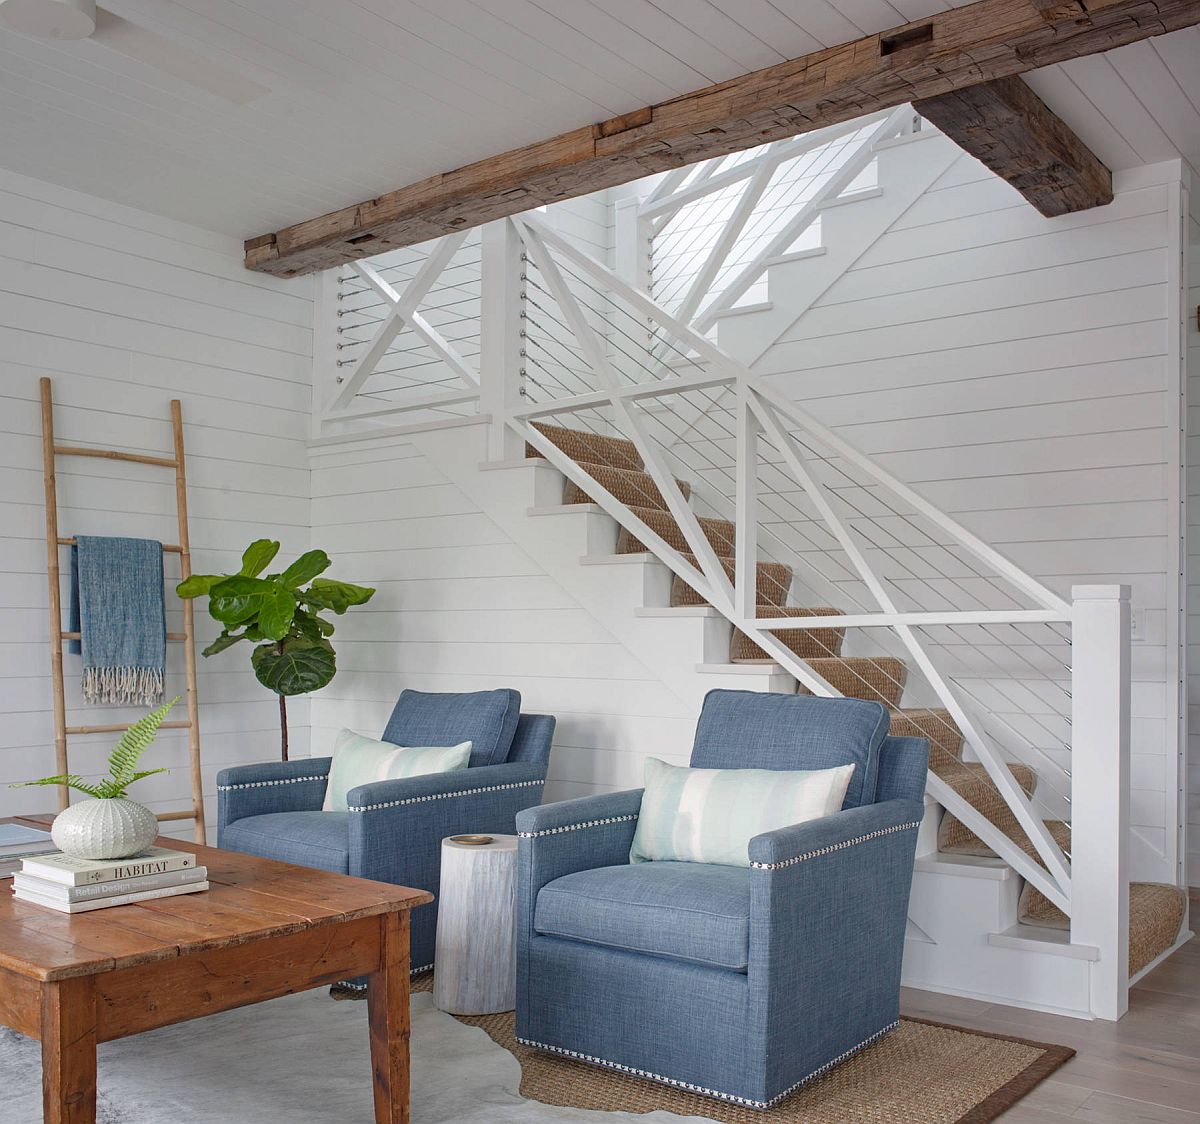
pixel 741 984
pixel 394 829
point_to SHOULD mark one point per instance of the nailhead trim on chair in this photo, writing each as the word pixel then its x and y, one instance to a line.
pixel 269 784
pixel 443 796
pixel 576 826
pixel 835 847
pixel 647 1075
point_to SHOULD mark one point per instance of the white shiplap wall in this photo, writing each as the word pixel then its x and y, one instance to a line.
pixel 125 311
pixel 462 607
pixel 1016 370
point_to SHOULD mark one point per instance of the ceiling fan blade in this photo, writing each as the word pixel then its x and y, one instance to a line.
pixel 145 46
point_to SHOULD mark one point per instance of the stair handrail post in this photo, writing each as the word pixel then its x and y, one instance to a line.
pixel 1100 677
pixel 501 335
pixel 631 241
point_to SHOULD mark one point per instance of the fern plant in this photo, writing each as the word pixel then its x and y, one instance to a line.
pixel 122 762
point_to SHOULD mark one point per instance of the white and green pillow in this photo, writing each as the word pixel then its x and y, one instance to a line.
pixel 358 760
pixel 710 815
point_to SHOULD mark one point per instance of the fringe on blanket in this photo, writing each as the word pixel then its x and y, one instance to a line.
pixel 123 685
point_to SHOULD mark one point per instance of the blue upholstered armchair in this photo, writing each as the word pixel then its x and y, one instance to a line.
pixel 738 983
pixel 394 829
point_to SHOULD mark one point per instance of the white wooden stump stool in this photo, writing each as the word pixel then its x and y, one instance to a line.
pixel 476 937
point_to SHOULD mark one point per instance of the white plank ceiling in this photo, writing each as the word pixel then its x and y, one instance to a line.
pixel 356 97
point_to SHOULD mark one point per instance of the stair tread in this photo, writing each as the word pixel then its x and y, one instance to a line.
pixel 1156 911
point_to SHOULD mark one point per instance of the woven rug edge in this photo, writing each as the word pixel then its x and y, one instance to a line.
pixel 1053 1058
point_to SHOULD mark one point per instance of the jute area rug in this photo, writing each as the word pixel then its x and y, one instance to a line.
pixel 921 1073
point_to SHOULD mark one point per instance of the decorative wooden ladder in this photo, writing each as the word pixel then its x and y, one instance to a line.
pixel 54 542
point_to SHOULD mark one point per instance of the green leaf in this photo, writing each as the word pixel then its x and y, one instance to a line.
pixel 305 568
pixel 123 761
pixel 307 623
pixel 304 665
pixel 275 616
pixel 227 639
pixel 338 596
pixel 257 556
pixel 237 600
pixel 71 780
pixel 197 585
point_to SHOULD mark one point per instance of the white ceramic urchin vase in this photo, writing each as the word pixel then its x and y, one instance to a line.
pixel 104 829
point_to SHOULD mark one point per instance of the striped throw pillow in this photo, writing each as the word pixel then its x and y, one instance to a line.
pixel 710 815
pixel 358 760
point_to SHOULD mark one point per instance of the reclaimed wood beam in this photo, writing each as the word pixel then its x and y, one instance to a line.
pixel 949 51
pixel 1008 128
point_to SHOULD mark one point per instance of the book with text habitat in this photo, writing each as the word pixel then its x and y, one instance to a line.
pixel 83 872
pixel 23 882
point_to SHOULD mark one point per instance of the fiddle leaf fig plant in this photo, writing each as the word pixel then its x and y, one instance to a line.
pixel 281 615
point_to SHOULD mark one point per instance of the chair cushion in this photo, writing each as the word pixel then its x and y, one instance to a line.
pixel 317 839
pixel 710 815
pixel 488 719
pixel 685 911
pixel 358 760
pixel 764 730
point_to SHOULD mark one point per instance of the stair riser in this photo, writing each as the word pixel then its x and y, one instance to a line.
pixel 943 735
pixel 808 644
pixel 588 448
pixel 718 533
pixel 629 488
pixel 879 681
pixel 774 584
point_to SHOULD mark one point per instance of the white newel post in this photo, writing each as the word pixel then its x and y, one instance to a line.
pixel 1100 789
pixel 501 340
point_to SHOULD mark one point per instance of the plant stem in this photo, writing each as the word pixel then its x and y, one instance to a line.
pixel 283 725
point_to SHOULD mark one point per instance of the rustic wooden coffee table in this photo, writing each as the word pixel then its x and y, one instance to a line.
pixel 265 929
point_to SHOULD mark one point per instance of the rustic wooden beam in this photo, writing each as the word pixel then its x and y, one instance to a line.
pixel 949 51
pixel 1007 127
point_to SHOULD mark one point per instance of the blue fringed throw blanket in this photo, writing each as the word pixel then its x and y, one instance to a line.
pixel 117 606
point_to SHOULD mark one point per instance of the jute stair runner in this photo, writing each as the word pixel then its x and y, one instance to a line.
pixel 1156 911
pixel 920 1073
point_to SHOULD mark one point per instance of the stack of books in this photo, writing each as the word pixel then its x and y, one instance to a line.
pixel 78 885
pixel 17 842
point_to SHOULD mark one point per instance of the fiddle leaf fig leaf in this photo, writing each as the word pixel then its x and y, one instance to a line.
pixel 197 585
pixel 239 599
pixel 303 665
pixel 258 556
pixel 338 596
pixel 305 568
pixel 227 639
pixel 275 615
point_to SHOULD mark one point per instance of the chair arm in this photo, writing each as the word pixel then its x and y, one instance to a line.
pixel 828 914
pixel 397 826
pixel 572 835
pixel 273 786
pixel 803 842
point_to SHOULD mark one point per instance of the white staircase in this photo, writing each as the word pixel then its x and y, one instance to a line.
pixel 554 336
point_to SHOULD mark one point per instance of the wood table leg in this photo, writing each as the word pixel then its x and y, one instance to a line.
pixel 69 1051
pixel 390 1023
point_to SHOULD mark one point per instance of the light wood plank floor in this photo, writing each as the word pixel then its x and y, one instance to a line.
pixel 1143 1070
